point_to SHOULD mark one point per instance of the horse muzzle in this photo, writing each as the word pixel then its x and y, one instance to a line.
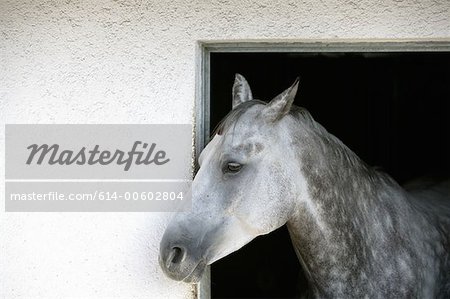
pixel 180 264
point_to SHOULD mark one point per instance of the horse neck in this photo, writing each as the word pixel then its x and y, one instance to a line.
pixel 349 211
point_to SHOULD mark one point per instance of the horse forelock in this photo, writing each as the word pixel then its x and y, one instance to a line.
pixel 230 120
pixel 232 116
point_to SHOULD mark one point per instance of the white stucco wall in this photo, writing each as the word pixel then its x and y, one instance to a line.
pixel 134 62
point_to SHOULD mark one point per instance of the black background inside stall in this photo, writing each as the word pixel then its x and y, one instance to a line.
pixel 392 109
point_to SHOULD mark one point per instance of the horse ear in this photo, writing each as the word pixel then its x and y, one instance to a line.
pixel 281 104
pixel 241 91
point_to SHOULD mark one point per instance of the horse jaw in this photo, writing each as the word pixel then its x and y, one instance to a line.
pixel 234 239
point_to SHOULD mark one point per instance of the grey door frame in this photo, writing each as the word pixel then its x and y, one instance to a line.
pixel 205 48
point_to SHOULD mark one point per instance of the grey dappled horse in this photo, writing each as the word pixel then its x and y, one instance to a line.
pixel 356 232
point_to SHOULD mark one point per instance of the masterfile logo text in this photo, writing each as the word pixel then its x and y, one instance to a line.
pixel 98 167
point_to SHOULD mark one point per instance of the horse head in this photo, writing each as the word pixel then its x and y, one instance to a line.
pixel 242 190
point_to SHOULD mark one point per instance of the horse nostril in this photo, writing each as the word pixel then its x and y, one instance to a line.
pixel 176 255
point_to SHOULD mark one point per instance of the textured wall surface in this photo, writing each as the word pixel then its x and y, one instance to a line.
pixel 127 61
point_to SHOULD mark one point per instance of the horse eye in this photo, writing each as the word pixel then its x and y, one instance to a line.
pixel 233 167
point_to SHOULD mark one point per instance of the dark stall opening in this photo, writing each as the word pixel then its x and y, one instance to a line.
pixel 390 108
